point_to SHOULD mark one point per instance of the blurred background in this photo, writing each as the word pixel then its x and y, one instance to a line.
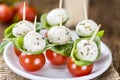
pixel 105 12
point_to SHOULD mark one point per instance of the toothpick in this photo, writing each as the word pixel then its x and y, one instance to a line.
pixel 60 7
pixel 35 23
pixel 94 34
pixel 24 10
pixel 60 4
pixel 85 10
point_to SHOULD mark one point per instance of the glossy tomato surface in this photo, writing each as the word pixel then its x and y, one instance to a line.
pixel 17 52
pixel 55 58
pixel 30 13
pixel 6 13
pixel 76 70
pixel 32 62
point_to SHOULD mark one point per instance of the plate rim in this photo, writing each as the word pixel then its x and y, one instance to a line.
pixel 31 76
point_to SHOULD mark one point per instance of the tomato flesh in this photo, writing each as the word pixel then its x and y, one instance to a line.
pixel 17 52
pixel 32 62
pixel 55 58
pixel 76 70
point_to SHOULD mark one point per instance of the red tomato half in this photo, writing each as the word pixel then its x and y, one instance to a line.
pixel 76 70
pixel 55 58
pixel 32 62
pixel 17 52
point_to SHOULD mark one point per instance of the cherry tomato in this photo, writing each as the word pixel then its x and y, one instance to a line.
pixel 6 13
pixel 32 62
pixel 20 5
pixel 76 70
pixel 17 52
pixel 55 58
pixel 30 13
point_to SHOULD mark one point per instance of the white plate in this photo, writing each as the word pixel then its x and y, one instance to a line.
pixel 50 72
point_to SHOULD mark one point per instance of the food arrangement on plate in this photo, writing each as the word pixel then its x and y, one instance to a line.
pixel 31 46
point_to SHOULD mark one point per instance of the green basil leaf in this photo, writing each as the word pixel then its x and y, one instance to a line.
pixel 44 21
pixel 74 53
pixel 19 44
pixel 2 46
pixel 64 50
pixel 38 26
pixel 100 33
pixel 8 33
pixel 97 41
pixel 78 61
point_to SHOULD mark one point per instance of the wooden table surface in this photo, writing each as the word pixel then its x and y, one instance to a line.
pixel 107 13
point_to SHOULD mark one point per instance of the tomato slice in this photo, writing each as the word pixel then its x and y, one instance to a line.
pixel 55 58
pixel 17 52
pixel 32 62
pixel 76 70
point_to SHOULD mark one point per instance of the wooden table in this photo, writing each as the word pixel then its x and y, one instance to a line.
pixel 105 12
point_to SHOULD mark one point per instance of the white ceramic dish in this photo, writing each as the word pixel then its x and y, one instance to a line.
pixel 50 72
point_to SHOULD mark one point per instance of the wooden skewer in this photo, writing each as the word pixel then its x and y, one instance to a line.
pixel 60 7
pixel 85 10
pixel 35 23
pixel 60 4
pixel 24 10
pixel 93 36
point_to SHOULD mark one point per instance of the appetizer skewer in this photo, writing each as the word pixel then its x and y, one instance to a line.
pixel 84 53
pixel 32 46
pixel 86 49
pixel 59 38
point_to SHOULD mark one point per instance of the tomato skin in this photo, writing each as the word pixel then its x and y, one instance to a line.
pixel 17 52
pixel 30 13
pixel 55 58
pixel 76 70
pixel 6 13
pixel 32 62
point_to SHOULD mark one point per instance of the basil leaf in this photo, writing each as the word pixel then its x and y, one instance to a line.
pixel 74 53
pixel 2 46
pixel 64 50
pixel 44 21
pixel 100 33
pixel 78 61
pixel 19 44
pixel 97 41
pixel 38 26
pixel 8 33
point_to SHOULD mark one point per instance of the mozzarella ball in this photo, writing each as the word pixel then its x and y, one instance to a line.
pixel 59 35
pixel 34 42
pixel 87 50
pixel 86 28
pixel 22 28
pixel 54 16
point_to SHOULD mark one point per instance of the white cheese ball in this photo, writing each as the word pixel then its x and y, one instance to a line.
pixel 87 50
pixel 59 35
pixel 54 16
pixel 86 28
pixel 34 42
pixel 22 28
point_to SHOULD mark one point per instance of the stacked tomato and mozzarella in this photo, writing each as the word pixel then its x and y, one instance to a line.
pixel 31 56
pixel 57 35
pixel 85 51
